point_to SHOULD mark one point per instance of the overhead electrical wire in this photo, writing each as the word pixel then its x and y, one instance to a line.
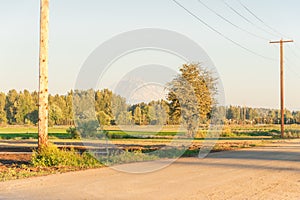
pixel 293 52
pixel 259 19
pixel 288 63
pixel 221 34
pixel 274 30
pixel 292 70
pixel 297 47
pixel 271 28
pixel 246 19
pixel 228 21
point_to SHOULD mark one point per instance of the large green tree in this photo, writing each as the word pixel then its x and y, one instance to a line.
pixel 137 115
pixel 11 106
pixel 191 96
pixel 24 106
pixel 55 115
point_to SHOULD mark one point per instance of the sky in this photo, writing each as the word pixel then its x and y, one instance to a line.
pixel 78 27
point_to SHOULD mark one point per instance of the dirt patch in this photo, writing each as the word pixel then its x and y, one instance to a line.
pixel 15 149
pixel 10 159
pixel 13 160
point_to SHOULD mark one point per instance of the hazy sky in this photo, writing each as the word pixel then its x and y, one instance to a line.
pixel 77 27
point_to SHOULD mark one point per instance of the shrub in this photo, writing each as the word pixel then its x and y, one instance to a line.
pixel 201 134
pixel 51 155
pixel 88 128
pixel 168 153
pixel 227 133
pixel 74 132
pixel 127 157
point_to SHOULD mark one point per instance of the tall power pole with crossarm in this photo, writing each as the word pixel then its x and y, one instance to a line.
pixel 281 42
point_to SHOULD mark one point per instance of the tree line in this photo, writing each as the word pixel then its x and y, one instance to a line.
pixel 190 101
pixel 248 115
pixel 21 108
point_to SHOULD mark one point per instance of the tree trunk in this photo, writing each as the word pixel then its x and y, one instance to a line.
pixel 43 75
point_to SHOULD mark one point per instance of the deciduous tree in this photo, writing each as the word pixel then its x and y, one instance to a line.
pixel 191 96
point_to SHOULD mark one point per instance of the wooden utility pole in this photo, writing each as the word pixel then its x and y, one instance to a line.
pixel 43 75
pixel 281 82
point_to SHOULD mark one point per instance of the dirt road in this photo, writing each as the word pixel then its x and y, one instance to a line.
pixel 271 172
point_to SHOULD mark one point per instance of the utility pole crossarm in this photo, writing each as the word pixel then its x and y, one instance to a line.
pixel 281 42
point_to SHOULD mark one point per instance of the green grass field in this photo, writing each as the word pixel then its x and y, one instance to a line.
pixel 30 129
pixel 23 132
pixel 168 132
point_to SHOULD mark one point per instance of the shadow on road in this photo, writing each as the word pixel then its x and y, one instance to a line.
pixel 268 166
pixel 283 158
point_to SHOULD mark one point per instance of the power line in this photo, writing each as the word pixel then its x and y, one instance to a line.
pixel 289 61
pixel 297 47
pixel 290 64
pixel 221 34
pixel 292 70
pixel 259 19
pixel 228 21
pixel 246 19
pixel 293 52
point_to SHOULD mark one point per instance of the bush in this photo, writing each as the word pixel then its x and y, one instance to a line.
pixel 52 156
pixel 74 132
pixel 227 133
pixel 127 157
pixel 168 153
pixel 88 128
pixel 201 134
